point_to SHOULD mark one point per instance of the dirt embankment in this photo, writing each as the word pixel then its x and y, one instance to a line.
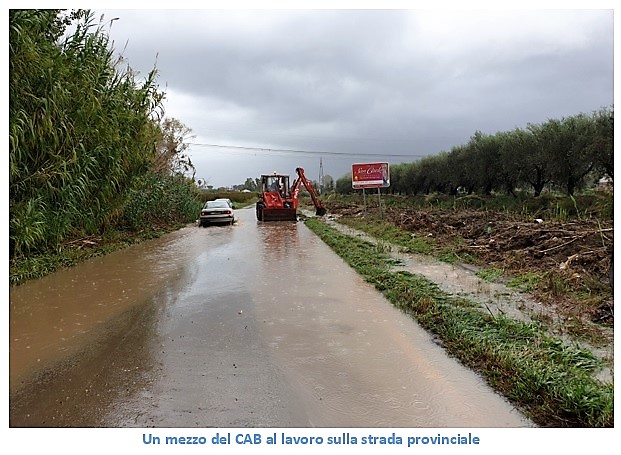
pixel 572 260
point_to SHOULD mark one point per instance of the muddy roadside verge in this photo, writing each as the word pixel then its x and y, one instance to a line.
pixel 564 265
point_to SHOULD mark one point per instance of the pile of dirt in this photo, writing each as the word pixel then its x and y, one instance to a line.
pixel 538 245
pixel 578 251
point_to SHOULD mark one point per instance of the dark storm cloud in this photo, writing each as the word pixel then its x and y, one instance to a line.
pixel 367 81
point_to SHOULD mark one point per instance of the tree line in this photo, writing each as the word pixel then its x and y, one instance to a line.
pixel 563 155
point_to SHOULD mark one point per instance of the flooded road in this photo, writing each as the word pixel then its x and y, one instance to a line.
pixel 251 325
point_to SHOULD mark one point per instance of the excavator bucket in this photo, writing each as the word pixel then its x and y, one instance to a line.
pixel 321 211
pixel 279 214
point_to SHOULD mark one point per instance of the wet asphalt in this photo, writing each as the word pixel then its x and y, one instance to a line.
pixel 251 325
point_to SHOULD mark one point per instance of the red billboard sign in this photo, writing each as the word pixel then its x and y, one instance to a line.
pixel 370 175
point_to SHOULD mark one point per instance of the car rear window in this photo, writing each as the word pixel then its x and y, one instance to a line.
pixel 216 204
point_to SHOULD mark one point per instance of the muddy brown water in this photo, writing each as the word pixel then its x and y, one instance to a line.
pixel 251 325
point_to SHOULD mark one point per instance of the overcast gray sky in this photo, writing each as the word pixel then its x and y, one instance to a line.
pixel 278 89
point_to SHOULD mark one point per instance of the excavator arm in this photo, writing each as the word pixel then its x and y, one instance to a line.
pixel 295 189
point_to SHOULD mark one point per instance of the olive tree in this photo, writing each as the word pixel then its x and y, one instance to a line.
pixel 602 147
pixel 570 147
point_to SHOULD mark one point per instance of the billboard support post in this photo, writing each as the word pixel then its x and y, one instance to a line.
pixel 364 200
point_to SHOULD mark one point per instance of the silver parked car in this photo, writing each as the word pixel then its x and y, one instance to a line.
pixel 218 211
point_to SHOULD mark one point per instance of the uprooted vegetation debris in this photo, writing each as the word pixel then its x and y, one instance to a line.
pixel 564 264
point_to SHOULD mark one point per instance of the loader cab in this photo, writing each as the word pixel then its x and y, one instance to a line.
pixel 275 183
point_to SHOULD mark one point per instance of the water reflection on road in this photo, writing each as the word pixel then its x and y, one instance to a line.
pixel 251 325
pixel 356 360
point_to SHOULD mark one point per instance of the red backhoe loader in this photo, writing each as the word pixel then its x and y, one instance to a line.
pixel 279 202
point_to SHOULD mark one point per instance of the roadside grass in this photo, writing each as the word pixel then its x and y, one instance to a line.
pixel 410 242
pixel 525 282
pixel 552 382
pixel 491 274
pixel 390 233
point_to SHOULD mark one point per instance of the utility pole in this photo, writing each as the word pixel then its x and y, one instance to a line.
pixel 320 175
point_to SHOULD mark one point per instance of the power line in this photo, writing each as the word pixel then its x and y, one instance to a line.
pixel 305 152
